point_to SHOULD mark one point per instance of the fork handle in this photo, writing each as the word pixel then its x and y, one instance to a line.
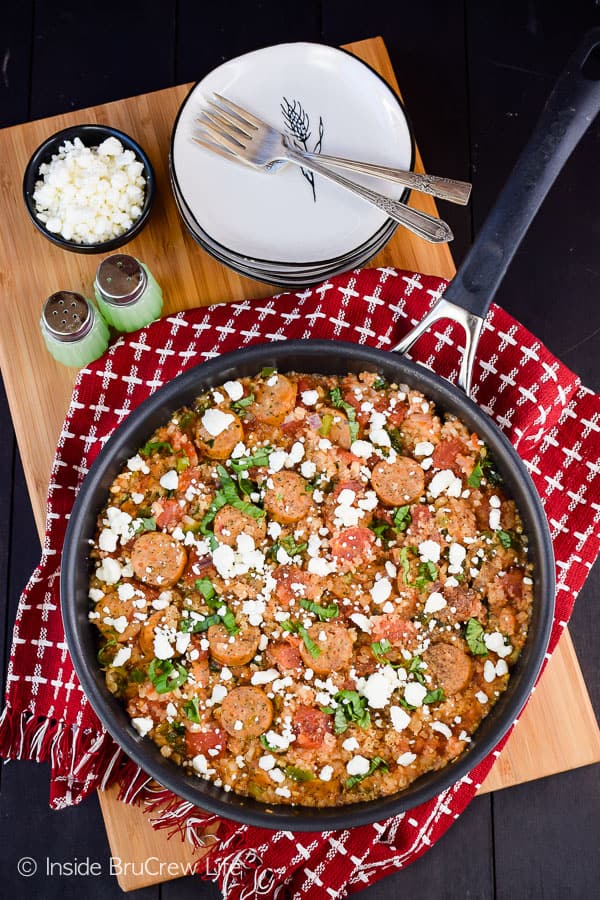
pixel 428 227
pixel 444 188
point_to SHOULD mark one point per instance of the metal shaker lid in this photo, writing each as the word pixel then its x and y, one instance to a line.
pixel 121 279
pixel 67 316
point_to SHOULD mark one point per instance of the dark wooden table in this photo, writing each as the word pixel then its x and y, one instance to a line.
pixel 474 75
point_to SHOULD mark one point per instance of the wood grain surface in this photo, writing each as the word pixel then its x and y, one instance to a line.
pixel 38 391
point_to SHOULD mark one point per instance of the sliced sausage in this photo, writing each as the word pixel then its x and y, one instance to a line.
pixel 251 707
pixel 158 559
pixel 286 656
pixel 462 603
pixel 399 482
pixel 163 618
pixel 393 628
pixel 310 726
pixel 287 501
pixel 231 522
pixel 449 666
pixel 353 547
pixel 212 738
pixel 293 583
pixel 233 650
pixel 112 607
pixel 220 447
pixel 339 430
pixel 335 646
pixel 274 401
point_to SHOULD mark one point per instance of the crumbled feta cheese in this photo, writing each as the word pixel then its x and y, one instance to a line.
pixel 264 676
pixel 137 464
pixel 350 744
pixel 170 480
pixel 277 460
pixel 126 591
pixel 381 590
pixel 109 571
pixel 162 646
pixel 363 622
pixel 121 656
pixel 429 551
pixel 406 759
pixel 363 449
pixel 234 389
pixel 309 398
pixel 95 595
pixel 489 671
pixel 482 697
pixel 434 603
pixel 358 765
pixel 107 540
pixel 379 687
pixel 456 557
pixel 295 455
pixel 267 762
pixel 424 448
pixel 142 724
pixel 276 775
pixel 495 501
pixel 308 469
pixel 442 728
pixel 415 693
pixel 501 668
pixel 90 194
pixel 400 718
pixel 494 519
pixel 200 764
pixel 215 421
pixel 182 641
pixel 495 643
pixel 441 481
pixel 326 773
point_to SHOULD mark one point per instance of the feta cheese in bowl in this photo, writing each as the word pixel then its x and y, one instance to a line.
pixel 89 188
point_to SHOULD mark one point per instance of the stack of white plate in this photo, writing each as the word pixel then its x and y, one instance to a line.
pixel 287 226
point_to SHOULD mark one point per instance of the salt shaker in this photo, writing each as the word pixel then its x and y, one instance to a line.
pixel 73 330
pixel 128 295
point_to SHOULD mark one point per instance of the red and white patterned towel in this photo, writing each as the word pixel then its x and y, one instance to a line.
pixel 553 421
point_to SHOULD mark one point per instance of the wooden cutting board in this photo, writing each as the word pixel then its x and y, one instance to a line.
pixel 39 389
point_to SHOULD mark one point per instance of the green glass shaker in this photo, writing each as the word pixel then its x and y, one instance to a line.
pixel 73 330
pixel 128 295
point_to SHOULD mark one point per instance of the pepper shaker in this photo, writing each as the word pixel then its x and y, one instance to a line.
pixel 74 332
pixel 128 295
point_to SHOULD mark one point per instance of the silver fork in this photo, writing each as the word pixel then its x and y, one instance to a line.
pixel 239 134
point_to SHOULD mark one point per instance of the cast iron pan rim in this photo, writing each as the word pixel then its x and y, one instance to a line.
pixel 315 356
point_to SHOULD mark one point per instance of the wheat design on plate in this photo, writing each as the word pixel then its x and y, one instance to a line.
pixel 297 123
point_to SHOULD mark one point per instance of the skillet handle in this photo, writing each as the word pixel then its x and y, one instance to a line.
pixel 567 114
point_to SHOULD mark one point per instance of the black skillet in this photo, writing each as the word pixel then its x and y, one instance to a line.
pixel 570 109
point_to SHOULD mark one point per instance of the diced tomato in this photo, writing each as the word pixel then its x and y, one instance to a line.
pixel 203 741
pixel 310 725
pixel 191 475
pixel 196 567
pixel 183 445
pixel 169 512
pixel 446 453
pixel 356 486
pixel 392 628
pixel 353 546
pixel 291 583
pixel 286 655
pixel 397 415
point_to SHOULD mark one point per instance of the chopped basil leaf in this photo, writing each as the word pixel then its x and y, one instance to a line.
pixel 434 696
pixel 474 479
pixel 197 626
pixel 205 587
pixel 427 573
pixel 297 628
pixel 396 439
pixel 229 491
pixel 505 538
pixel 321 612
pixel 340 403
pixel 264 742
pixel 352 708
pixel 415 666
pixel 405 563
pixel 402 518
pixel 165 676
pixel 267 371
pixel 229 622
pixel 146 524
pixel 474 638
pixel 192 710
pixel 380 648
pixel 259 458
pixel 156 447
pixel 298 774
pixel 380 383
pixel 376 763
pixel 242 403
pixel 291 547
pixel 491 472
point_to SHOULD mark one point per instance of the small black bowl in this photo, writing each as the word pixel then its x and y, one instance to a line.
pixel 90 136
